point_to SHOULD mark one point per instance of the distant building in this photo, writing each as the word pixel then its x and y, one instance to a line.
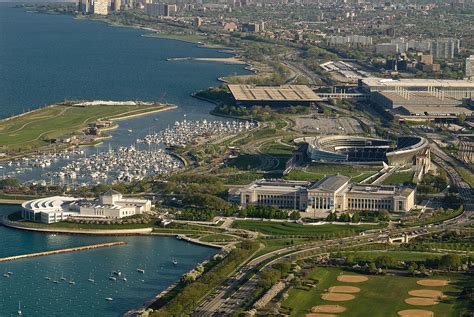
pixel 386 49
pixel 229 26
pixel 84 6
pixel 170 9
pixel 197 22
pixel 111 204
pixel 101 7
pixel 117 5
pixel 444 48
pixel 155 9
pixel 331 194
pixel 251 27
pixel 469 69
pixel 357 40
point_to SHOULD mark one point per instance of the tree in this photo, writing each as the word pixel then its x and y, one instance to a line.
pixel 356 218
pixel 412 268
pixel 385 261
pixel 450 261
pixel 372 268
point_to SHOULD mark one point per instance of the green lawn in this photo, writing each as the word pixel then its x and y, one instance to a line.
pixel 319 171
pixel 218 238
pixel 380 296
pixel 276 148
pixel 294 229
pixel 35 128
pixel 399 178
pixel 466 175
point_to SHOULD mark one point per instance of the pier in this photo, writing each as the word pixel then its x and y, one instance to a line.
pixel 86 247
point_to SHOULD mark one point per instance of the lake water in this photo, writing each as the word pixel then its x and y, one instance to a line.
pixel 41 297
pixel 50 58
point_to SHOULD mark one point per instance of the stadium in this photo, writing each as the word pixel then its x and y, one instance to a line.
pixel 407 150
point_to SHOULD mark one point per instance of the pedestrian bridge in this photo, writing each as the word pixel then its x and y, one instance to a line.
pixel 343 95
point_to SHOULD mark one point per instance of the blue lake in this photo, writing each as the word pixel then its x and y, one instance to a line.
pixel 50 58
pixel 42 297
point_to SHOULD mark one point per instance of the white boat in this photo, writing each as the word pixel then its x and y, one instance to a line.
pixel 109 299
pixel 141 271
pixel 19 309
pixel 62 277
pixel 174 261
pixel 47 278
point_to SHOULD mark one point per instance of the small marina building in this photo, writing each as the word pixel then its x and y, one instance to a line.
pixel 111 204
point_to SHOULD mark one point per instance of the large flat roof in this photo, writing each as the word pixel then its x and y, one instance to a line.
pixel 331 183
pixel 418 82
pixel 421 98
pixel 273 93
pixel 437 110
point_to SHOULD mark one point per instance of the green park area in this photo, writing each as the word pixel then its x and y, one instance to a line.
pixel 379 295
pixel 37 128
pixel 319 171
pixel 298 230
pixel 399 178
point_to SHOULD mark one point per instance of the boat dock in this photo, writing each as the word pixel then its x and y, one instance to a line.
pixel 86 247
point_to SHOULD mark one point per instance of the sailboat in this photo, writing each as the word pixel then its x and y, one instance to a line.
pixel 19 308
pixel 90 279
pixel 112 278
pixel 62 277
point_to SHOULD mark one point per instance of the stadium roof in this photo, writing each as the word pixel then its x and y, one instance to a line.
pixel 273 93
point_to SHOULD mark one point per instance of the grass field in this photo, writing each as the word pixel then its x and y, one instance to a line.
pixel 399 178
pixel 37 127
pixel 317 172
pixel 294 229
pixel 380 296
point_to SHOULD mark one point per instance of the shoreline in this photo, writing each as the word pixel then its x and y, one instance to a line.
pixel 146 231
pixel 97 140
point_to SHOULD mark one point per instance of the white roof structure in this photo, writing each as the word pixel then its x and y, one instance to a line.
pixel 48 205
pixel 374 82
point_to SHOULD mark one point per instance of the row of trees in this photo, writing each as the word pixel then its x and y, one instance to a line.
pixel 268 212
pixel 367 216
pixel 186 300
pixel 433 183
pixel 445 262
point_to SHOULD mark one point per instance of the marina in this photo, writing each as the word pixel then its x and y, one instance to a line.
pixel 186 132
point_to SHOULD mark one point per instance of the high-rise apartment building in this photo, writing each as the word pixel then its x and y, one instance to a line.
pixel 470 67
pixel 444 48
pixel 84 6
pixel 117 5
pixel 101 7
